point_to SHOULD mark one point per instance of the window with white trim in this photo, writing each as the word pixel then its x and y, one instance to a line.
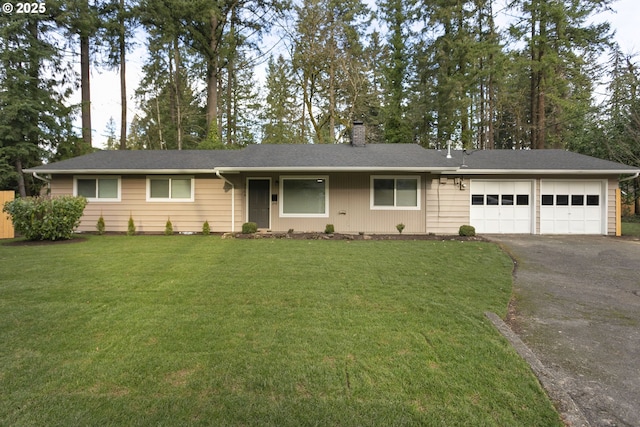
pixel 97 188
pixel 304 196
pixel 170 189
pixel 395 192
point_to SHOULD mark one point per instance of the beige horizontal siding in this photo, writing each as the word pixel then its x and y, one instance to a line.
pixel 612 217
pixel 444 206
pixel 212 203
pixel 447 205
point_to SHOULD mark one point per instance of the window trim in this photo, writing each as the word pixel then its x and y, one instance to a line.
pixel 395 178
pixel 170 199
pixel 118 198
pixel 282 179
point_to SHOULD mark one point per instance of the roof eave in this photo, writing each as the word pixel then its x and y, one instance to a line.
pixel 334 169
pixel 120 171
pixel 470 171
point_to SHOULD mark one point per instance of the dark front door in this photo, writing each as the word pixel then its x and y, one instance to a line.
pixel 259 202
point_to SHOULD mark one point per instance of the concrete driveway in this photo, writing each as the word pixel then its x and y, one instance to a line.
pixel 577 307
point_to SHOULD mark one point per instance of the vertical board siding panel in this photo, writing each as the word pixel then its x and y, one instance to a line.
pixel 6 226
pixel 350 207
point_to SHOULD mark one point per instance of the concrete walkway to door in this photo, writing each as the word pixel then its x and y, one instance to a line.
pixel 577 307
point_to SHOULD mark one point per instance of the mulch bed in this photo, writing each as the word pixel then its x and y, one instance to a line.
pixel 340 236
pixel 268 235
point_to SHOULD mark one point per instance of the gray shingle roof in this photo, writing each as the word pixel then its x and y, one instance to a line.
pixel 535 160
pixel 334 157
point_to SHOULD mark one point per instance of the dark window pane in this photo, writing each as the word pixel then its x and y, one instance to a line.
pixel 507 199
pixel 492 199
pixel 477 199
pixel 107 188
pixel 303 196
pixel 159 188
pixel 547 200
pixel 383 192
pixel 562 200
pixel 577 200
pixel 593 200
pixel 407 192
pixel 87 188
pixel 522 199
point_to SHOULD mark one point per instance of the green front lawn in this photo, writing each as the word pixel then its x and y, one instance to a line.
pixel 631 229
pixel 193 330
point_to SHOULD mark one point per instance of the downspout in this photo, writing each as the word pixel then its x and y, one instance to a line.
pixel 629 178
pixel 48 181
pixel 233 200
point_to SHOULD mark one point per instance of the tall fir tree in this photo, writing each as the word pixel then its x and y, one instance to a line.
pixel 398 17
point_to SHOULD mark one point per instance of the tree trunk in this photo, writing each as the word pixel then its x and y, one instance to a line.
pixel 123 79
pixel 85 90
pixel 162 144
pixel 212 80
pixel 332 84
pixel 533 96
pixel 177 87
pixel 230 115
pixel 636 192
pixel 22 188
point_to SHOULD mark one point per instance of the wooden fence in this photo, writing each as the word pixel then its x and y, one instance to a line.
pixel 6 227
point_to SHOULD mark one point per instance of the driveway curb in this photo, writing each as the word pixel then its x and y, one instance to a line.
pixel 569 411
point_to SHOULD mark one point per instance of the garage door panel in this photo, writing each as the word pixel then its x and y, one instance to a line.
pixel 571 207
pixel 501 207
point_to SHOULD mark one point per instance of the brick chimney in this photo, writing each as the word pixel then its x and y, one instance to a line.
pixel 358 135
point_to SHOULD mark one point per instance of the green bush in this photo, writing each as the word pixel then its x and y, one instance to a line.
pixel 206 229
pixel 131 227
pixel 168 228
pixel 249 228
pixel 100 226
pixel 329 229
pixel 400 228
pixel 44 218
pixel 467 230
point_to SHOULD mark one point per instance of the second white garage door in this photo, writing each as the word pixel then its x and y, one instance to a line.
pixel 572 207
pixel 501 207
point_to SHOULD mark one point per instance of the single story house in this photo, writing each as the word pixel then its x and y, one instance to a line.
pixel 356 187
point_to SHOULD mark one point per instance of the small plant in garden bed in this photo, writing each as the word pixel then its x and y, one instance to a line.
pixel 249 228
pixel 329 229
pixel 467 231
pixel 100 226
pixel 131 227
pixel 206 229
pixel 400 227
pixel 168 228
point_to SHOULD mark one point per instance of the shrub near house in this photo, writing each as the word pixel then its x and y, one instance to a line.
pixel 42 218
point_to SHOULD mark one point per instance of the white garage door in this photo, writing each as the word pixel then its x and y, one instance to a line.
pixel 572 207
pixel 501 207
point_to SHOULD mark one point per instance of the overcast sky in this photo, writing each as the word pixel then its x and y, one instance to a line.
pixel 105 86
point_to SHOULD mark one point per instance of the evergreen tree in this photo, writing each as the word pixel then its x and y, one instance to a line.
pixel 561 44
pixel 35 121
pixel 279 113
pixel 117 25
pixel 110 129
pixel 397 16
